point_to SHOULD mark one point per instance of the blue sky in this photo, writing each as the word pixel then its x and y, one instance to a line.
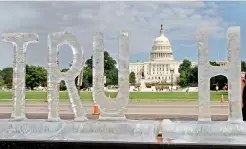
pixel 232 14
pixel 142 19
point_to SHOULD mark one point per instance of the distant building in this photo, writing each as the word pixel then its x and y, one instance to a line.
pixel 162 68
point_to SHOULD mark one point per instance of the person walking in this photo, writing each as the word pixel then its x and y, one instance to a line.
pixel 187 91
pixel 243 85
pixel 217 88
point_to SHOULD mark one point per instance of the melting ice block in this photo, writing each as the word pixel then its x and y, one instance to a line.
pixel 91 130
pixel 217 132
pixel 204 130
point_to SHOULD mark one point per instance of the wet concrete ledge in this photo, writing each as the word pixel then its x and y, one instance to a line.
pixel 11 144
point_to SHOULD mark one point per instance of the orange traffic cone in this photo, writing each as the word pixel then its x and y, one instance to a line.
pixel 222 98
pixel 96 110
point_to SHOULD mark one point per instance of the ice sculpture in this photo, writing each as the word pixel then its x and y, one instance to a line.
pixel 232 72
pixel 204 130
pixel 20 42
pixel 111 109
pixel 55 40
pixel 80 129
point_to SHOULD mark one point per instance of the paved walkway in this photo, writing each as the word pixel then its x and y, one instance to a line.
pixel 162 103
pixel 135 110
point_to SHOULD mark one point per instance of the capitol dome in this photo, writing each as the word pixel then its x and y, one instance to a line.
pixel 162 40
pixel 161 49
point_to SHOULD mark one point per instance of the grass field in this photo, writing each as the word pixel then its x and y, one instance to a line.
pixel 134 96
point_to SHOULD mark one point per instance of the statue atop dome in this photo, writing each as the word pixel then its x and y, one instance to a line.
pixel 161 31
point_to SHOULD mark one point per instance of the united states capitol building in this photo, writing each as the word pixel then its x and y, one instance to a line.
pixel 162 68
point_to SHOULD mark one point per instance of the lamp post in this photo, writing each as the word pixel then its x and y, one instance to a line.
pixel 171 71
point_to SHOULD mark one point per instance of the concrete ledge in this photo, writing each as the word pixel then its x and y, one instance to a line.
pixel 13 144
pixel 214 132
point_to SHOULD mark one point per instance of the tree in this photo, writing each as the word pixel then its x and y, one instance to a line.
pixel 1 81
pixel 132 78
pixel 112 77
pixel 219 81
pixel 62 83
pixel 185 71
pixel 35 76
pixel 183 79
pixel 185 66
pixel 214 63
pixel 7 76
pixel 243 66
pixel 109 62
pixel 110 69
pixel 63 86
pixel 89 62
pixel 87 77
pixel 188 74
pixel 194 76
pixel 64 70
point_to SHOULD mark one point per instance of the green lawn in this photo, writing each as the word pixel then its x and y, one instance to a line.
pixel 134 96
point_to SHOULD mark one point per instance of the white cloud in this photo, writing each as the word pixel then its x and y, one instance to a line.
pixel 210 12
pixel 142 19
pixel 193 45
pixel 213 5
